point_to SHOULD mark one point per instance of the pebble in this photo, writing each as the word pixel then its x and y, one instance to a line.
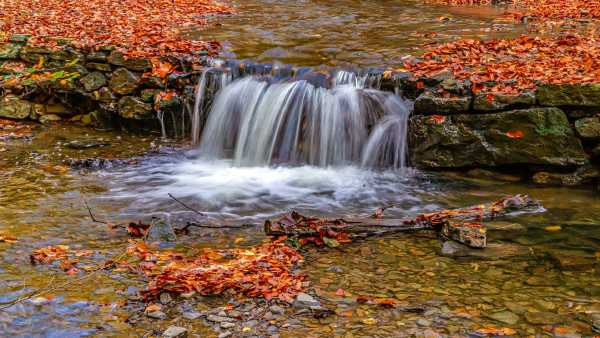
pixel 277 309
pixel 227 325
pixel 157 315
pixel 175 332
pixel 165 298
pixel 219 319
pixel 191 315
pixel 505 317
pixel 423 322
pixel 225 334
pixel 305 300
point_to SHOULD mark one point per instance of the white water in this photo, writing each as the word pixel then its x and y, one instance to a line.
pixel 257 122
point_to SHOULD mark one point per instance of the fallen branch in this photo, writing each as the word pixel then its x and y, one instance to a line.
pixel 458 224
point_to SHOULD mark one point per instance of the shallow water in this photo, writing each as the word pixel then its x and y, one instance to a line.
pixel 42 205
pixel 347 32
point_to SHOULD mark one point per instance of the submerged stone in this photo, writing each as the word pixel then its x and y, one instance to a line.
pixel 575 95
pixel 14 108
pixel 542 318
pixel 505 317
pixel 175 332
pixel 532 136
pixel 491 252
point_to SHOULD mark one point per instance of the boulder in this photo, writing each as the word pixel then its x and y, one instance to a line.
pixel 136 64
pixel 575 95
pixel 588 128
pixel 429 103
pixel 14 108
pixel 491 102
pixel 581 175
pixel 538 136
pixel 93 81
pixel 131 107
pixel 124 82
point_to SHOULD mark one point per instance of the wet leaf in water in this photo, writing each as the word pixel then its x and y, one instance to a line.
pixel 553 228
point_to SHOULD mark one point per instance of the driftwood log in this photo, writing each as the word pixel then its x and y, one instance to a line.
pixel 462 225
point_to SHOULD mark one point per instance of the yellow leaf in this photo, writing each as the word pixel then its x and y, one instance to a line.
pixel 553 228
pixel 369 321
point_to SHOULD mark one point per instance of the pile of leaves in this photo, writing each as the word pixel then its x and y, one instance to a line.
pixel 142 28
pixel 558 9
pixel 329 232
pixel 261 271
pixel 68 258
pixel 512 66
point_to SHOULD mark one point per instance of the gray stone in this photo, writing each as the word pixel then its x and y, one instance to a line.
pixel 225 334
pixel 227 325
pixel 191 315
pixel 305 300
pixel 124 82
pixel 533 136
pixel 97 57
pixel 219 319
pixel 542 318
pixel 588 128
pixel 492 102
pixel 133 108
pixel 14 108
pixel 103 67
pixel 175 332
pixel 93 81
pixel 277 309
pixel 574 95
pixel 49 118
pixel 505 317
pixel 429 104
pixel 10 51
pixel 157 315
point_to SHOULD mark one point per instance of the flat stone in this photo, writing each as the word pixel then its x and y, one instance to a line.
pixel 537 136
pixel 497 101
pixel 305 300
pixel 191 315
pixel 588 128
pixel 219 319
pixel 136 64
pixel 491 252
pixel 505 317
pixel 131 107
pixel 227 325
pixel 157 315
pixel 175 332
pixel 103 67
pixel 49 118
pixel 542 318
pixel 430 104
pixel 574 95
pixel 277 309
pixel 97 56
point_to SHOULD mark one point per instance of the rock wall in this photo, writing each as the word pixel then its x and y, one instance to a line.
pixel 550 136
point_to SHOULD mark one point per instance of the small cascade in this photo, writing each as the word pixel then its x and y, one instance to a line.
pixel 264 120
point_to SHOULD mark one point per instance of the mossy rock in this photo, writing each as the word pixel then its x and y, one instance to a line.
pixel 14 108
pixel 93 81
pixel 131 107
pixel 124 82
pixel 573 95
pixel 494 102
pixel 136 64
pixel 429 103
pixel 588 128
pixel 537 136
pixel 103 67
pixel 10 51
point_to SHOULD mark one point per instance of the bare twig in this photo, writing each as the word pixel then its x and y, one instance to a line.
pixel 91 214
pixel 186 206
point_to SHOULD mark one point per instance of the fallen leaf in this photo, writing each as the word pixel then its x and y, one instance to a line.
pixel 553 228
pixel 515 134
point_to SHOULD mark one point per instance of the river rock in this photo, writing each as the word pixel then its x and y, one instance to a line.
pixel 532 136
pixel 133 108
pixel 93 81
pixel 429 104
pixel 306 300
pixel 123 82
pixel 219 319
pixel 505 317
pixel 49 118
pixel 14 108
pixel 491 252
pixel 542 318
pixel 588 128
pixel 175 332
pixel 574 95
pixel 491 102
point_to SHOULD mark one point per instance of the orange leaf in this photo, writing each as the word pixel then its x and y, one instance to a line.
pixel 515 134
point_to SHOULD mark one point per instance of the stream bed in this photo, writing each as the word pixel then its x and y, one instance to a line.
pixel 533 281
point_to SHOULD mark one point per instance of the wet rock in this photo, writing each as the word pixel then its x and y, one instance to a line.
pixel 10 51
pixel 219 319
pixel 103 67
pixel 131 107
pixel 546 178
pixel 104 95
pixel 97 56
pixel 157 315
pixel 542 318
pixel 492 175
pixel 175 332
pixel 573 260
pixel 428 104
pixel 191 315
pixel 14 108
pixel 93 81
pixel 306 300
pixel 542 281
pixel 161 232
pixel 136 64
pixel 575 95
pixel 86 144
pixel 123 82
pixel 277 309
pixel 580 176
pixel 588 128
pixel 486 102
pixel 49 118
pixel 505 317
pixel 492 251
pixel 533 136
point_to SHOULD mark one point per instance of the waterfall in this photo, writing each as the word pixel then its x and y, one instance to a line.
pixel 260 120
